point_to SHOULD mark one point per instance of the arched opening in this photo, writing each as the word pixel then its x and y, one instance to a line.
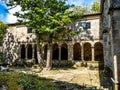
pixel 23 52
pixel 64 52
pixel 98 47
pixel 45 52
pixel 29 53
pixel 35 54
pixel 55 52
pixel 87 52
pixel 77 51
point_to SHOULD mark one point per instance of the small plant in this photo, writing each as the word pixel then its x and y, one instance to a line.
pixel 84 64
pixel 91 67
pixel 106 30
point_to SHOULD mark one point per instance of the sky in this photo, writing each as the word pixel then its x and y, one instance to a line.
pixel 8 18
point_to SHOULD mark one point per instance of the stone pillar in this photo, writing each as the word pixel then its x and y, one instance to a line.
pixel 33 50
pixel 115 69
pixel 93 53
pixel 82 52
pixel 70 51
pixel 59 52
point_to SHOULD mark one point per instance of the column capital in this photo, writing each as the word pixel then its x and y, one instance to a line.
pixel 92 46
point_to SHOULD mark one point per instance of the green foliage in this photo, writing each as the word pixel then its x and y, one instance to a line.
pixel 96 6
pixel 48 17
pixel 78 11
pixel 3 28
pixel 28 82
pixel 1 57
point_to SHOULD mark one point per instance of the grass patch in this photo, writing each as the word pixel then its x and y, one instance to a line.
pixel 14 81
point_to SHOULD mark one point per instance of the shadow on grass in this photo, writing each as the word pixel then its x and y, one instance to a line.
pixel 34 82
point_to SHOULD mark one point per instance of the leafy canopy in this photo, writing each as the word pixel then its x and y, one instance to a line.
pixel 48 17
pixel 77 12
pixel 96 6
pixel 3 28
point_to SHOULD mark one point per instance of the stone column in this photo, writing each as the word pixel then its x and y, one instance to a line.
pixel 93 53
pixel 82 52
pixel 59 52
pixel 115 69
pixel 70 51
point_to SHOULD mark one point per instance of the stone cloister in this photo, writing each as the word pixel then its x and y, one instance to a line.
pixel 20 43
pixel 77 51
pixel 28 52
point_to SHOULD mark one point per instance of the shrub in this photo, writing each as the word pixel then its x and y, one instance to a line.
pixel 25 81
pixel 1 57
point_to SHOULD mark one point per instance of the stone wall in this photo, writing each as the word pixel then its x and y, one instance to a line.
pixel 91 33
pixel 14 38
pixel 111 22
pixel 116 40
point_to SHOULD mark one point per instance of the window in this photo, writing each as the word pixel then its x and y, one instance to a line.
pixel 29 30
pixel 86 25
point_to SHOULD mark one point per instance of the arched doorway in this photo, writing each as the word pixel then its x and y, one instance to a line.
pixel 35 54
pixel 29 53
pixel 64 52
pixel 55 52
pixel 77 51
pixel 87 52
pixel 45 52
pixel 23 52
pixel 98 47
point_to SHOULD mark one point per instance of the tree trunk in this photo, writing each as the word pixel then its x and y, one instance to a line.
pixel 39 54
pixel 49 57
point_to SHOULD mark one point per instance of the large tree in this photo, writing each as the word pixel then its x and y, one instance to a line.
pixel 48 18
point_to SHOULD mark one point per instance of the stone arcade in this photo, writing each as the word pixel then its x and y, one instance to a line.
pixel 20 43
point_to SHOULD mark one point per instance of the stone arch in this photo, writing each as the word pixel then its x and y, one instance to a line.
pixel 29 51
pixel 23 51
pixel 45 52
pixel 55 54
pixel 77 51
pixel 64 52
pixel 98 47
pixel 87 52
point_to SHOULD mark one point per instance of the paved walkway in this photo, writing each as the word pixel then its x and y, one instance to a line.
pixel 81 77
